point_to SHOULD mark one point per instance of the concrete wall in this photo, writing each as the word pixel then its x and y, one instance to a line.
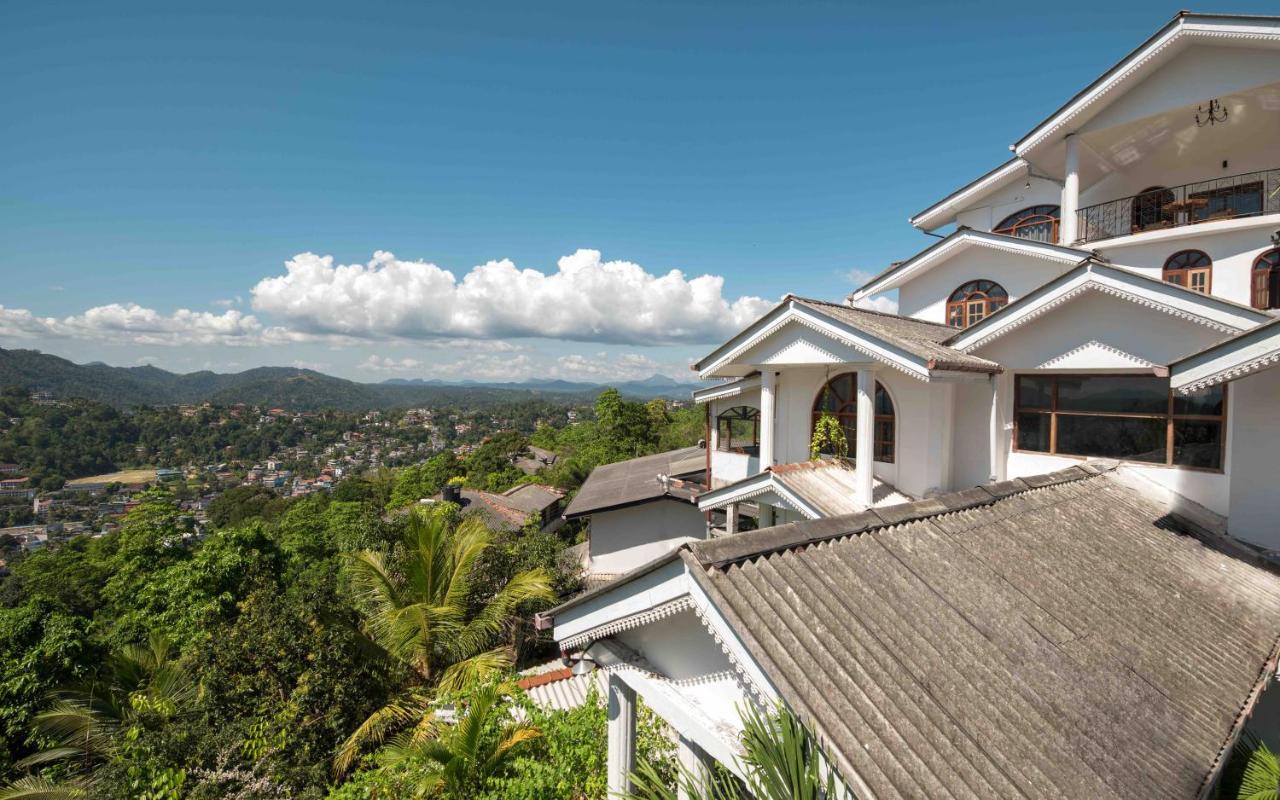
pixel 925 297
pixel 628 537
pixel 992 210
pixel 1252 458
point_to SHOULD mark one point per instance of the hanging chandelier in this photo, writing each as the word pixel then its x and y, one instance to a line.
pixel 1212 115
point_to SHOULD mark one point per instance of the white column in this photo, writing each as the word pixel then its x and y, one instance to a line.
pixel 622 736
pixel 863 458
pixel 690 758
pixel 1070 192
pixel 731 518
pixel 768 385
pixel 766 515
pixel 996 437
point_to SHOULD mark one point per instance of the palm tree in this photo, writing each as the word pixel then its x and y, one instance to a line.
pixel 144 686
pixel 1254 772
pixel 460 759
pixel 781 760
pixel 418 613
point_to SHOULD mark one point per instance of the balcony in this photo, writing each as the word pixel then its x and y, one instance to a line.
pixel 1249 195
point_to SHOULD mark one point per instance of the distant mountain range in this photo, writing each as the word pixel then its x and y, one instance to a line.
pixel 284 387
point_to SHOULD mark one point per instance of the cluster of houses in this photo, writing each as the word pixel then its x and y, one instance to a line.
pixel 1017 539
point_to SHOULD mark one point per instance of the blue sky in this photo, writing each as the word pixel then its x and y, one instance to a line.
pixel 163 164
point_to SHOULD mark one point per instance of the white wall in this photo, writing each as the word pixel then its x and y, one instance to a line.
pixel 625 538
pixel 1140 331
pixel 1010 200
pixel 1143 332
pixel 1233 254
pixel 925 297
pixel 727 467
pixel 678 647
pixel 971 436
pixel 921 415
pixel 1253 458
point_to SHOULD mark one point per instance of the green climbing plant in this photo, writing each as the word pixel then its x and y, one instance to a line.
pixel 828 438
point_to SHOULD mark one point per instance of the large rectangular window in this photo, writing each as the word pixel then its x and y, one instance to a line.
pixel 1132 417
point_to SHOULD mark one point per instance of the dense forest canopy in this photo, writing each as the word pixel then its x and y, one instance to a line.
pixel 257 662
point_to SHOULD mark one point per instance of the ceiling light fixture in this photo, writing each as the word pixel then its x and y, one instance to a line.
pixel 1215 113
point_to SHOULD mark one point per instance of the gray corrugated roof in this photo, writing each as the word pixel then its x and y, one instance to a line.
pixel 636 481
pixel 921 339
pixel 1008 641
pixel 830 486
pixel 532 497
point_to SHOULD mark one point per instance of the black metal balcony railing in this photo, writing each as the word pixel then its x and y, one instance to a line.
pixel 1249 195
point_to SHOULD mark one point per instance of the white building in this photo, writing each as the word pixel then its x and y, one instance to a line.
pixel 1108 293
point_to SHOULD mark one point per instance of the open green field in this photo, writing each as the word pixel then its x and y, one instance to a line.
pixel 146 475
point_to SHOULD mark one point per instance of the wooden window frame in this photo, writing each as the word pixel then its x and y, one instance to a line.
pixel 1184 276
pixel 1170 417
pixel 960 313
pixel 1030 218
pixel 1266 268
pixel 751 415
pixel 883 448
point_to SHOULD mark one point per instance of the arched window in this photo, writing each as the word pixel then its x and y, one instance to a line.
pixel 973 302
pixel 1190 268
pixel 1148 209
pixel 839 398
pixel 1039 223
pixel 1266 280
pixel 738 430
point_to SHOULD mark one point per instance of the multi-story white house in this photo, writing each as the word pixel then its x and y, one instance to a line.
pixel 971 583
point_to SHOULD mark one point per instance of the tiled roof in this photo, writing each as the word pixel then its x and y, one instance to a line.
pixel 1046 637
pixel 636 481
pixel 913 336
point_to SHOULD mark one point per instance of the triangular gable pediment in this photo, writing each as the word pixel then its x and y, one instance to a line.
pixel 1140 296
pixel 964 241
pixel 1095 355
pixel 797 344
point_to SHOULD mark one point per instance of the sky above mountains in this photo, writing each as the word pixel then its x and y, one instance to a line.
pixel 593 191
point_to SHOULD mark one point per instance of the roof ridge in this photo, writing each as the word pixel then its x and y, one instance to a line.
pixel 721 552
pixel 861 310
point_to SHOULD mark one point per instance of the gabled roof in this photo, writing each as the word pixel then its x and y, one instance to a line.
pixel 635 481
pixel 1214 312
pixel 816 489
pixel 731 388
pixel 906 344
pixel 1057 636
pixel 959 241
pixel 942 211
pixel 1241 355
pixel 1183 29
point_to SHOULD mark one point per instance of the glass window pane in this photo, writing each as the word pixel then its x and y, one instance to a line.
pixel 1197 444
pixel 1035 391
pixel 1117 393
pixel 1132 438
pixel 1206 401
pixel 1033 432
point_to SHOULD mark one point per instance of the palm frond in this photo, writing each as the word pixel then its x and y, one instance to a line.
pixel 1261 780
pixel 403 710
pixel 474 671
pixel 37 788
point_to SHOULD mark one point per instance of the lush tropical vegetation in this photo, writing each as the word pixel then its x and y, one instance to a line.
pixel 332 646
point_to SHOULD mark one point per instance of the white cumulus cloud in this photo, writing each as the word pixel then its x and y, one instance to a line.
pixel 585 299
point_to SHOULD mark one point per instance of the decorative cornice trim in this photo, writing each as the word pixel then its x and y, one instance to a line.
pixel 1249 367
pixel 1093 286
pixel 627 623
pixel 1095 344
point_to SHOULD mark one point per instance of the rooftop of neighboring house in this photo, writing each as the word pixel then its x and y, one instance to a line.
pixel 639 480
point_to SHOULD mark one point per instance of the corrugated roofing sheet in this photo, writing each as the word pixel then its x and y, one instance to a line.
pixel 636 480
pixel 1056 642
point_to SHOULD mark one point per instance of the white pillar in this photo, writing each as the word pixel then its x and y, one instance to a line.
pixel 768 385
pixel 864 460
pixel 996 437
pixel 690 757
pixel 622 736
pixel 731 518
pixel 1070 192
pixel 766 515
